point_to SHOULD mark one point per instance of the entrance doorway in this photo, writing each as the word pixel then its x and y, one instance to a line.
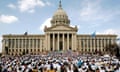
pixel 6 50
pixel 60 45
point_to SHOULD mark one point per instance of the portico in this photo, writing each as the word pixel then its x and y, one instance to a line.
pixel 60 41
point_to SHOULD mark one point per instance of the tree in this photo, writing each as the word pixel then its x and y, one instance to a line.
pixel 113 49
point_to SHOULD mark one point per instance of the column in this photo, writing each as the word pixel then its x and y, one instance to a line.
pixel 104 43
pixel 108 40
pixel 112 40
pixel 94 45
pixel 18 43
pixel 75 43
pixel 101 46
pixel 58 41
pixel 53 42
pixel 67 41
pixel 21 44
pixel 18 46
pixel 63 41
pixel 98 44
pixel 87 47
pixel 15 43
pixel 90 42
pixel 48 41
pixel 25 45
pixel 72 42
pixel 33 45
pixel 36 45
pixel 29 46
pixel 40 46
pixel 14 46
pixel 10 43
pixel 80 46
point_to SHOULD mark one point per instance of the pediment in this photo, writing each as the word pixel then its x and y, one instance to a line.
pixel 61 28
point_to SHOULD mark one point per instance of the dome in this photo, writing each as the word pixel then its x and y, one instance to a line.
pixel 60 12
pixel 60 17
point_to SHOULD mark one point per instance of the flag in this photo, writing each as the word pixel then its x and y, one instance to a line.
pixel 118 39
pixel 93 34
pixel 25 33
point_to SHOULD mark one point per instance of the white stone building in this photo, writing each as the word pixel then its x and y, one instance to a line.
pixel 59 37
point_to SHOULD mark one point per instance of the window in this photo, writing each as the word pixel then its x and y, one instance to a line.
pixel 20 50
pixel 38 50
pixel 13 50
pixel 51 49
pixel 81 49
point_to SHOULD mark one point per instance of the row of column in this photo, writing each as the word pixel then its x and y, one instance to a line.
pixel 23 43
pixel 69 45
pixel 98 44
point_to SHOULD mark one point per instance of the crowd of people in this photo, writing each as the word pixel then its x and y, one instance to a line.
pixel 59 62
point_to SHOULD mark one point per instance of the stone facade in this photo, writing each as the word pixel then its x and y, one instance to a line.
pixel 59 37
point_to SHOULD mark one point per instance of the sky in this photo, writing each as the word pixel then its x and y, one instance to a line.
pixel 19 16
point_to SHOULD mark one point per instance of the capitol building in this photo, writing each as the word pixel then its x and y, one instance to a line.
pixel 59 37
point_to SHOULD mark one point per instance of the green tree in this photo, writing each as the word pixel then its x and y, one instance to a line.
pixel 113 49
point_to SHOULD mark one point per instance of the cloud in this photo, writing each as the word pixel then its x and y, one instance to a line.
pixel 12 6
pixel 48 3
pixel 0 43
pixel 92 10
pixel 8 19
pixel 110 31
pixel 31 11
pixel 94 25
pixel 29 5
pixel 45 23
